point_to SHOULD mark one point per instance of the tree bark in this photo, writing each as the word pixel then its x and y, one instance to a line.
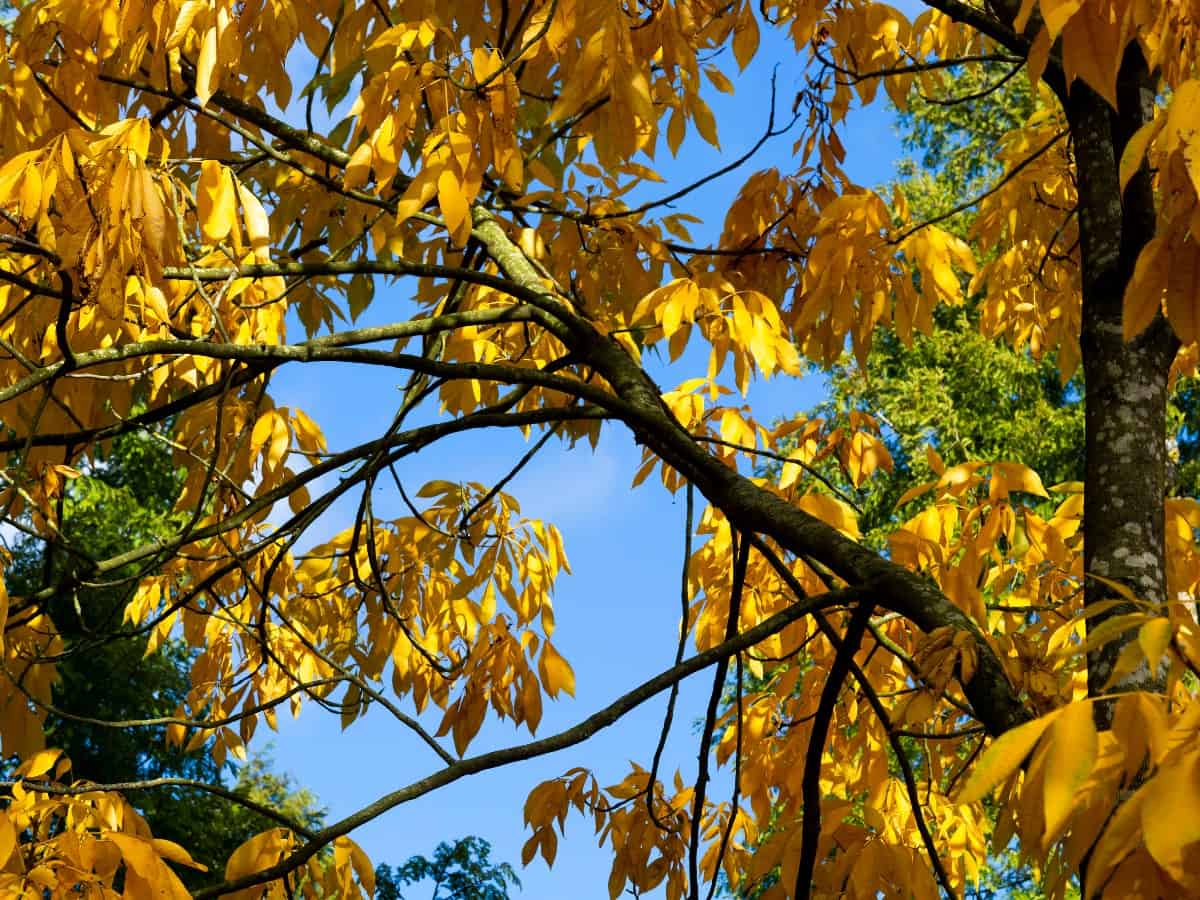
pixel 1126 383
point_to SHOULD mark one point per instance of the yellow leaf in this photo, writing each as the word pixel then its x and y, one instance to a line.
pixel 176 854
pixel 358 169
pixel 935 460
pixel 1118 587
pixel 347 854
pixel 1038 57
pixel 964 474
pixel 31 194
pixel 281 439
pixel 183 23
pixel 262 431
pixel 1175 788
pixel 1179 127
pixel 867 453
pixel 914 492
pixel 762 346
pixel 419 192
pixel 1092 48
pixel 1135 149
pixel 705 123
pixel 529 849
pixel 1056 13
pixel 259 852
pixel 155 301
pixel 154 214
pixel 308 433
pixel 487 605
pixel 454 205
pixel 745 39
pixel 1154 638
pixel 555 672
pixel 299 499
pixel 831 511
pixel 1067 487
pixel 466 719
pixel 216 206
pixel 1106 632
pixel 142 862
pixel 39 764
pixel 1140 727
pixel 1023 14
pixel 1119 838
pixel 1183 291
pixel 1071 749
pixel 258 226
pixel 206 65
pixel 1003 757
pixel 718 79
pixel 676 309
pixel 8 839
pixel 1011 476
pixel 1145 290
pixel 676 130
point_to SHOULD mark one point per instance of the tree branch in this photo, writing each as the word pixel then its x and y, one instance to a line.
pixel 568 738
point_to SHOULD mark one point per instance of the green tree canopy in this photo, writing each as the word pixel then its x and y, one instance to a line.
pixel 123 501
pixel 462 870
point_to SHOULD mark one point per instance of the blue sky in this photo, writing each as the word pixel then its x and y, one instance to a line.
pixel 617 616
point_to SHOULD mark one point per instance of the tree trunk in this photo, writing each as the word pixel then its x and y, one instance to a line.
pixel 1126 383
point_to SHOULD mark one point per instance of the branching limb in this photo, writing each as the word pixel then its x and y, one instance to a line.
pixel 685 627
pixel 910 781
pixel 62 790
pixel 741 554
pixel 753 510
pixel 406 442
pixel 811 779
pixel 568 738
pixel 929 66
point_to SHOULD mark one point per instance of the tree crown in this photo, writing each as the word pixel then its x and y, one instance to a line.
pixel 179 220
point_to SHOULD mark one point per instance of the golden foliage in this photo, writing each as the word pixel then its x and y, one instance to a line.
pixel 169 203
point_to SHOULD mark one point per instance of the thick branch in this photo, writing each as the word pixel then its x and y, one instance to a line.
pixel 319 350
pixel 752 509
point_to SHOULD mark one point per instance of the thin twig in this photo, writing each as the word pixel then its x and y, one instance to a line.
pixel 576 734
pixel 810 828
pixel 741 551
pixel 685 628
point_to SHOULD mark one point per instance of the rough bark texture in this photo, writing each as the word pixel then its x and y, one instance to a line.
pixel 1126 383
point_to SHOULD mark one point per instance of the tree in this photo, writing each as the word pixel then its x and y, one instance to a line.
pixel 166 205
pixel 459 871
pixel 124 502
pixel 968 395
